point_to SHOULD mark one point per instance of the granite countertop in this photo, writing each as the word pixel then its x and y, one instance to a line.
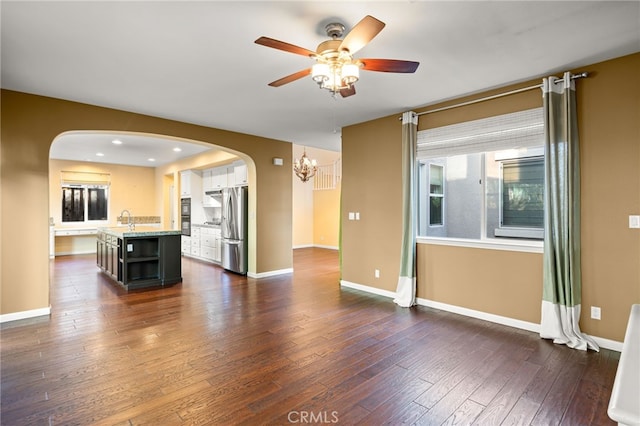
pixel 139 231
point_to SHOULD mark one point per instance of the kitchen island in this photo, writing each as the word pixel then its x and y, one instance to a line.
pixel 140 257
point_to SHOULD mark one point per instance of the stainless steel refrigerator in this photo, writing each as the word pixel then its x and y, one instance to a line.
pixel 234 229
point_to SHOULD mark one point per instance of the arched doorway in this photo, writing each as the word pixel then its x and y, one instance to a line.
pixel 136 172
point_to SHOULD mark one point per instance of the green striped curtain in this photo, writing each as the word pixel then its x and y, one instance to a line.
pixel 406 289
pixel 562 281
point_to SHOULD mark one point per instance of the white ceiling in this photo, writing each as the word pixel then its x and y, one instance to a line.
pixel 197 61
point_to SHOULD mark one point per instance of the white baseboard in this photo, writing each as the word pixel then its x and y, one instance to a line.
pixel 327 247
pixel 368 289
pixel 317 246
pixel 608 344
pixel 498 319
pixel 33 313
pixel 70 253
pixel 270 273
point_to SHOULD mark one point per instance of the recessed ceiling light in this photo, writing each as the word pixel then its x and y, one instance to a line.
pixel 177 149
pixel 116 142
pixel 99 154
pixel 151 159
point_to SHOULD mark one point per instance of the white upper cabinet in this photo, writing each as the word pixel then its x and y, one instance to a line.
pixel 240 173
pixel 219 178
pixel 207 180
pixel 185 183
pixel 215 178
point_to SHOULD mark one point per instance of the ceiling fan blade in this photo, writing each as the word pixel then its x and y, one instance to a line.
pixel 351 90
pixel 293 77
pixel 389 65
pixel 361 34
pixel 287 47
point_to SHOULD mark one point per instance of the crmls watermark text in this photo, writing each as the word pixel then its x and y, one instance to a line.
pixel 312 417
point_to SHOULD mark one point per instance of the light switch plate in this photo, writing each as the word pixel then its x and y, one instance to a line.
pixel 634 221
pixel 352 215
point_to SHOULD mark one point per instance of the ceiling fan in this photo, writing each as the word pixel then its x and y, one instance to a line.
pixel 336 69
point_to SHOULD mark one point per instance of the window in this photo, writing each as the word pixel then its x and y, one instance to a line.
pixel 83 203
pixel 493 173
pixel 436 194
pixel 522 198
pixel 97 205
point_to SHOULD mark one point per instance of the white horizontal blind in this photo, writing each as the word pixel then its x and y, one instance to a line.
pixel 84 178
pixel 520 129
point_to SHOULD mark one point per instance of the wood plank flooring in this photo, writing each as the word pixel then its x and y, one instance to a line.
pixel 224 349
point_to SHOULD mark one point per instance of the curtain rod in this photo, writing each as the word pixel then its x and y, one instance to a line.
pixel 499 95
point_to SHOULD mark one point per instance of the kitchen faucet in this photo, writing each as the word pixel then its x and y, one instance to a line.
pixel 132 225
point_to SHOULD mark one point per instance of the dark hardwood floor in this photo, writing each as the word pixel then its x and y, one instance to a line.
pixel 224 349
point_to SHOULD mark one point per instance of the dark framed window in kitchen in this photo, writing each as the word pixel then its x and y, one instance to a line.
pixel 85 203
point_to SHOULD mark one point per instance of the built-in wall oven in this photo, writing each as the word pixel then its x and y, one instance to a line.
pixel 185 216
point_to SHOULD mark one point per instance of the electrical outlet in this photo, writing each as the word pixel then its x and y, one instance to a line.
pixel 634 221
pixel 595 312
pixel 376 273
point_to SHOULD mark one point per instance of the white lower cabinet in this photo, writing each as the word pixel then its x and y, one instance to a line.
pixel 218 247
pixel 204 243
pixel 186 245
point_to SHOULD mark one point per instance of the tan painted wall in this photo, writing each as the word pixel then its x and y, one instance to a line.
pixel 78 244
pixel 316 214
pixel 371 185
pixel 30 124
pixel 326 217
pixel 460 276
pixel 609 106
pixel 326 205
pixel 302 220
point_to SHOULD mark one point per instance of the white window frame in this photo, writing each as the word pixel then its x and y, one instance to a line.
pixel 528 232
pixel 441 196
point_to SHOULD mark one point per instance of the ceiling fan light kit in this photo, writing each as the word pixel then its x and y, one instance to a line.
pixel 336 69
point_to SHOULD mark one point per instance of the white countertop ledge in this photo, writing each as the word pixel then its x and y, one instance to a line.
pixel 139 231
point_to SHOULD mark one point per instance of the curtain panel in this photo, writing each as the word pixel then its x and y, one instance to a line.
pixel 406 289
pixel 562 280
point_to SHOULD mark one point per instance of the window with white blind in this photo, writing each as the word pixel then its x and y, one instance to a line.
pixel 493 173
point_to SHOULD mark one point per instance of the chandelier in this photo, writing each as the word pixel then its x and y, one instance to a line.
pixel 305 169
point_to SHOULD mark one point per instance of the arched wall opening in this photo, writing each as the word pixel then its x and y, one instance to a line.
pixel 31 123
pixel 162 201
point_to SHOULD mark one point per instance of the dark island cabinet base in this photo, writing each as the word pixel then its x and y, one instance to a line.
pixel 137 262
